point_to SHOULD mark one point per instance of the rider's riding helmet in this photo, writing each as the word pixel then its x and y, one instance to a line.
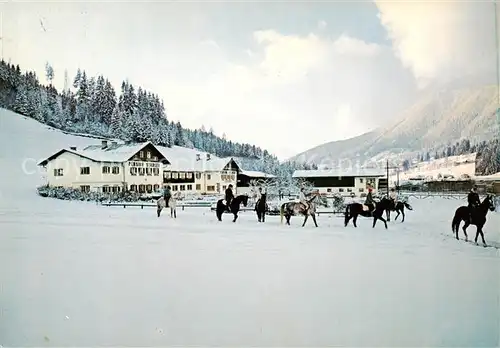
pixel 230 186
pixel 474 188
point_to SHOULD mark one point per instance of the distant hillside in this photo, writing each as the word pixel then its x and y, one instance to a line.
pixel 431 124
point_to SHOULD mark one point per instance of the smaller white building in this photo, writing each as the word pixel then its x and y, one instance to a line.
pixel 246 177
pixel 344 182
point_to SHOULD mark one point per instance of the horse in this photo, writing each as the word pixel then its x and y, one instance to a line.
pixel 295 208
pixel 398 207
pixel 234 208
pixel 478 218
pixel 172 204
pixel 260 208
pixel 352 211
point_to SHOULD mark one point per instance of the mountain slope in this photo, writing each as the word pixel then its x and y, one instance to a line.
pixel 435 120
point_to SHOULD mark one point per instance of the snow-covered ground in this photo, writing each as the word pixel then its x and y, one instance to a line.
pixel 80 274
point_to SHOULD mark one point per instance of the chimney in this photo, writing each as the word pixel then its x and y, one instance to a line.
pixel 198 157
pixel 208 157
pixel 73 148
pixel 104 144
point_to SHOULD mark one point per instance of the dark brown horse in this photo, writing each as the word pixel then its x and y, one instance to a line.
pixel 399 208
pixel 261 207
pixel 235 206
pixel 477 217
pixel 353 210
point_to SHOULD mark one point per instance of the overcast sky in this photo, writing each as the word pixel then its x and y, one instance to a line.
pixel 284 76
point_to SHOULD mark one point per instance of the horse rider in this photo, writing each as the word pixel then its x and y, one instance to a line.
pixel 258 196
pixel 167 194
pixel 229 196
pixel 369 202
pixel 473 200
pixel 393 196
pixel 303 199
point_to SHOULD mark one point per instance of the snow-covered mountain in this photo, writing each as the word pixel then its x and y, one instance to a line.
pixel 437 119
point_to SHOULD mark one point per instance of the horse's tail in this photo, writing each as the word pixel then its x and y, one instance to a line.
pixel 282 211
pixel 408 206
pixel 456 222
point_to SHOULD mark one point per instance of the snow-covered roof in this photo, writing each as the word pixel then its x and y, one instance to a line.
pixel 256 174
pixel 492 177
pixel 338 173
pixel 185 159
pixel 113 152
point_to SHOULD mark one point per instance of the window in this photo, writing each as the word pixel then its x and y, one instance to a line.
pixel 141 154
pixel 189 187
pixel 133 188
pixel 209 177
pixel 175 175
pixel 174 187
pixel 58 172
pixel 198 176
pixel 182 175
pixel 156 187
pixel 167 175
pixel 198 187
pixel 233 177
pixel 106 189
pixel 84 170
pixel 341 190
pixel 224 187
pixel 361 180
pixel 141 171
pixel 106 170
pixel 85 188
pixel 154 158
pixel 142 188
pixel 189 175
pixel 349 190
pixel 149 171
pixel 211 188
pixel 149 188
pixel 148 155
pixel 133 171
pixel 156 171
pixel 361 190
pixel 182 187
pixel 116 170
pixel 329 190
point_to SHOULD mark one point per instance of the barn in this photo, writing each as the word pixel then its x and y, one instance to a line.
pixel 344 182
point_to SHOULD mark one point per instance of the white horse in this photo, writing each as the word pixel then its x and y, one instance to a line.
pixel 172 204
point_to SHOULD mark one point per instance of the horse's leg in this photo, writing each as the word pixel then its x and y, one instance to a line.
pixel 288 216
pixel 467 224
pixel 305 219
pixel 158 211
pixel 388 214
pixel 314 219
pixel 403 213
pixel 397 211
pixel 264 216
pixel 374 221
pixel 354 219
pixel 480 231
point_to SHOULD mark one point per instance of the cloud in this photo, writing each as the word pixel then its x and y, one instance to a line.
pixel 295 92
pixel 322 25
pixel 443 40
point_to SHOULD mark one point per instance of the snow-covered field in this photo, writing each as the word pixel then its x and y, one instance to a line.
pixel 80 274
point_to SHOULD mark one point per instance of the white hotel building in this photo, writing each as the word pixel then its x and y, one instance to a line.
pixel 143 168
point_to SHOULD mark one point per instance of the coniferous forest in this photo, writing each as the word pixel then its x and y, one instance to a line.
pixel 90 105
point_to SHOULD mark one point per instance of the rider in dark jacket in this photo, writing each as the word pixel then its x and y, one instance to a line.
pixel 166 195
pixel 229 196
pixel 473 200
pixel 369 202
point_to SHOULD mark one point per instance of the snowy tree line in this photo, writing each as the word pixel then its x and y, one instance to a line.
pixel 487 154
pixel 94 107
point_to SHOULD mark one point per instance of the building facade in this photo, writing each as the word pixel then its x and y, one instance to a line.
pixel 343 182
pixel 143 168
